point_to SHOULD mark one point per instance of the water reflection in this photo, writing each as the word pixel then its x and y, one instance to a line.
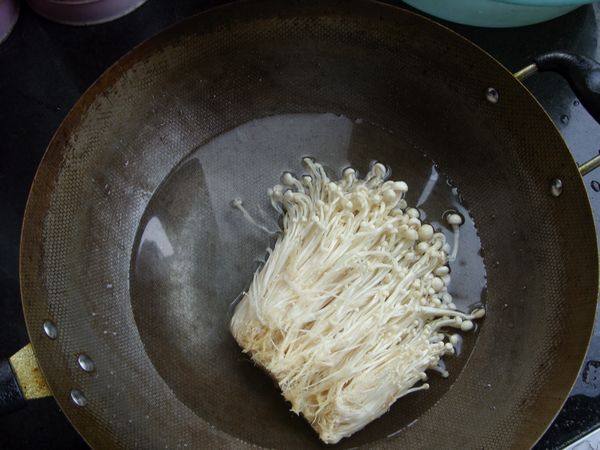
pixel 426 192
pixel 154 233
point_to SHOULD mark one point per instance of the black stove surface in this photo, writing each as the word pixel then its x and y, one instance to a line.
pixel 45 67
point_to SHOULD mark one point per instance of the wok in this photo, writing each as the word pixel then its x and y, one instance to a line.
pixel 131 254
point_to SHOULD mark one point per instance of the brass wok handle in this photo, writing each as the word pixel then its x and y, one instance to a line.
pixel 582 74
pixel 20 380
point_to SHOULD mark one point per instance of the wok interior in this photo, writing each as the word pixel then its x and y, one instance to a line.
pixel 142 255
pixel 195 254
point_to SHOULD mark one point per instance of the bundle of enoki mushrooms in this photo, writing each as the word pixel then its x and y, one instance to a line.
pixel 351 307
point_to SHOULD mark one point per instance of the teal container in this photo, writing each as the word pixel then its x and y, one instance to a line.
pixel 497 13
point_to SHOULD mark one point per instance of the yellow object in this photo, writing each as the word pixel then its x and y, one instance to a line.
pixel 29 376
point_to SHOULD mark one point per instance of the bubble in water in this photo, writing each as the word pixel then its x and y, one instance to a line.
pixel 576 103
pixel 595 186
pixel 564 119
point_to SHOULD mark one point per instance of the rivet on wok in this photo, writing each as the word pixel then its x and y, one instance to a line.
pixel 556 187
pixel 86 363
pixel 492 95
pixel 50 329
pixel 78 398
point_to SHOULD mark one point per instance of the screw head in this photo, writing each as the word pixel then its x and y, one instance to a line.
pixel 556 187
pixel 492 95
pixel 50 329
pixel 86 363
pixel 78 398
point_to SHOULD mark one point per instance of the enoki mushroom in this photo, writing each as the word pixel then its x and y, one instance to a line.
pixel 351 307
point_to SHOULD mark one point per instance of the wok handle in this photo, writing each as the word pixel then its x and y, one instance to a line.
pixel 11 396
pixel 582 74
pixel 20 380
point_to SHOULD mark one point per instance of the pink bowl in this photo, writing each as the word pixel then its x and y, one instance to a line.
pixel 83 12
pixel 9 12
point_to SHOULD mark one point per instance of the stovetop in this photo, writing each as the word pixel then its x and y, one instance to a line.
pixel 45 67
